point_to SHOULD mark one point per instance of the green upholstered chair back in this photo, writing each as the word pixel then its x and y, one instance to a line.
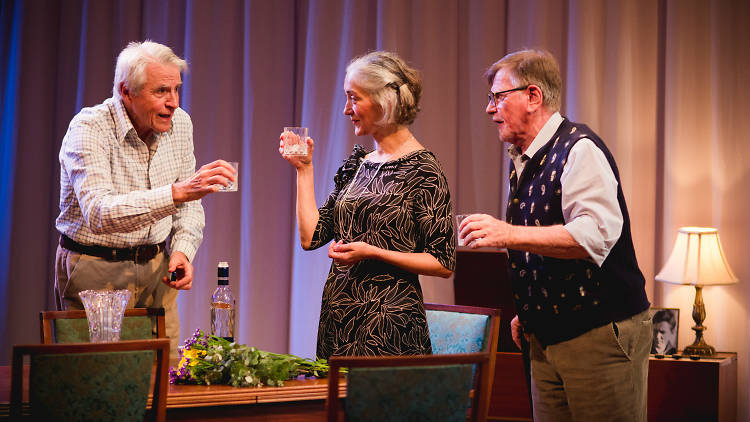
pixel 412 393
pixel 92 381
pixel 90 386
pixel 72 326
pixel 407 388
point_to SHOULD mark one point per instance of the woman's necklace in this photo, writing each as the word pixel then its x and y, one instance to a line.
pixel 396 153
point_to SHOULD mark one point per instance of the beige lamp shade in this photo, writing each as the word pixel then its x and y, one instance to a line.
pixel 697 259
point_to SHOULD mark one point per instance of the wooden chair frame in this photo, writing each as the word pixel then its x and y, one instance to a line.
pixel 46 317
pixel 487 377
pixel 161 378
pixel 337 362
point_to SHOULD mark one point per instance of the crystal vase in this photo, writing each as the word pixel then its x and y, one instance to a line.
pixel 104 311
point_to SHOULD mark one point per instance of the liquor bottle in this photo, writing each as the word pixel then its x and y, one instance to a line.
pixel 222 305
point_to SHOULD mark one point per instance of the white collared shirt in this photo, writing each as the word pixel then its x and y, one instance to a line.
pixel 115 192
pixel 590 208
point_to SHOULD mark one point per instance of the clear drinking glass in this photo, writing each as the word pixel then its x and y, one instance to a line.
pixel 295 140
pixel 232 186
pixel 459 219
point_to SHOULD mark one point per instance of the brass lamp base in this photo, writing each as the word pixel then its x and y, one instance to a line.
pixel 699 346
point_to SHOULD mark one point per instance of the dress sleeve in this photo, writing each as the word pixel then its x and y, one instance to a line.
pixel 326 230
pixel 434 216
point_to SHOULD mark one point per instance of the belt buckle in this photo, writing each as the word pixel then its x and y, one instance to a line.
pixel 144 253
pixel 119 254
pixel 138 254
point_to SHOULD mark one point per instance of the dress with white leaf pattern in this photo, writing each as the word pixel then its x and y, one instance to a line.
pixel 371 307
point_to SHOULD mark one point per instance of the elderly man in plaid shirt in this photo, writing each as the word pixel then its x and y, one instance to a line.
pixel 127 183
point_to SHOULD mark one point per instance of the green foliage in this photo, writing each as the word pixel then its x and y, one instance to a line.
pixel 209 360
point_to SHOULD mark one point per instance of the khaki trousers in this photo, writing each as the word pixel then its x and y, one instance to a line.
pixel 75 272
pixel 601 375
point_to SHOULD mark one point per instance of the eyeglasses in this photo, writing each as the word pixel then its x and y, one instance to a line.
pixel 497 97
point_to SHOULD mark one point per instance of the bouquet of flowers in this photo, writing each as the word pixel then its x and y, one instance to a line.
pixel 207 359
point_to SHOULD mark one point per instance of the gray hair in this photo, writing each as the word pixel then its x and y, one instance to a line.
pixel 532 67
pixel 391 84
pixel 131 64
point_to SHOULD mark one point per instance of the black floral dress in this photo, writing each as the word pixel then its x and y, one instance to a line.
pixel 371 307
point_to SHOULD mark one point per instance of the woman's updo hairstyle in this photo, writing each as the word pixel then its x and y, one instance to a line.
pixel 390 83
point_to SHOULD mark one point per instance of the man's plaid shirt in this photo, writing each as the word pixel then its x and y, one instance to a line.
pixel 114 193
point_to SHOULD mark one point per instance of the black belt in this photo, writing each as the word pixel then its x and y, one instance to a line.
pixel 139 254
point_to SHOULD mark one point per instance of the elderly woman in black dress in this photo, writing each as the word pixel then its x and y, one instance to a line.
pixel 389 217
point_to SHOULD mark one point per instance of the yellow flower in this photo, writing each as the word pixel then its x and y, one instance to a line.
pixel 190 354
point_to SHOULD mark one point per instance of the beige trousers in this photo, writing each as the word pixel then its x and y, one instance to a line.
pixel 76 272
pixel 601 375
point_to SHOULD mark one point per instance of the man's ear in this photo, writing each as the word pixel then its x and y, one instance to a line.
pixel 536 98
pixel 125 92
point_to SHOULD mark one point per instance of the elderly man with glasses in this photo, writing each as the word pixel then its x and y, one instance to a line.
pixel 579 294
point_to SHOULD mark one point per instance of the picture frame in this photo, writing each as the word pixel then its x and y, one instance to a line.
pixel 666 324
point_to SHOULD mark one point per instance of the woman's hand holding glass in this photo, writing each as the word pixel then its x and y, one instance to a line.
pixel 307 210
pixel 298 161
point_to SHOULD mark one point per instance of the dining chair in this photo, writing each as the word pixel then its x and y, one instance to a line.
pixel 466 329
pixel 91 381
pixel 407 388
pixel 72 326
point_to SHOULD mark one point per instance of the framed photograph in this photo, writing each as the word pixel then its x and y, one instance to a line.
pixel 666 323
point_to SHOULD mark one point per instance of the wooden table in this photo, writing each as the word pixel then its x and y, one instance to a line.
pixel 297 400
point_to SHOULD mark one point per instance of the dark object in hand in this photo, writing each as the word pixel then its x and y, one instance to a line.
pixel 173 276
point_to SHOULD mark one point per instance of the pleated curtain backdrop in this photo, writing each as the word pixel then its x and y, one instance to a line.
pixel 663 83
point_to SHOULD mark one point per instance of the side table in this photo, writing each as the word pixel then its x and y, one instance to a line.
pixel 698 390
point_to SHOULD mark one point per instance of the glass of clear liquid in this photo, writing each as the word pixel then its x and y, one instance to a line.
pixel 232 186
pixel 295 140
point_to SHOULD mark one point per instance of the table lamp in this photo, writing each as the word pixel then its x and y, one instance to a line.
pixel 697 259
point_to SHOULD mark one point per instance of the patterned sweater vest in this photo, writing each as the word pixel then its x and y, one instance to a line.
pixel 560 299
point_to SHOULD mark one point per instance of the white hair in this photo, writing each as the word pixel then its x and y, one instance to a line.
pixel 131 64
pixel 391 84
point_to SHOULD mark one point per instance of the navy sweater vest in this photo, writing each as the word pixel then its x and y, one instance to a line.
pixel 560 299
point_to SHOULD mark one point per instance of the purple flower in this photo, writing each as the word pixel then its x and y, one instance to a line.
pixel 173 376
